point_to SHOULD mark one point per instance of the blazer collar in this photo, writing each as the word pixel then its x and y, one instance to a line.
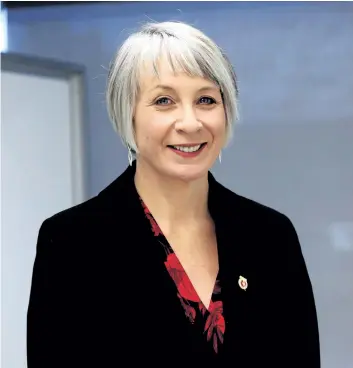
pixel 226 208
pixel 124 187
pixel 230 215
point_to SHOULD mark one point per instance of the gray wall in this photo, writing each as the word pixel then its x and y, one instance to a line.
pixel 293 148
pixel 294 61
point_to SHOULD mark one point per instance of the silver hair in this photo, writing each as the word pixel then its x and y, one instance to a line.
pixel 187 49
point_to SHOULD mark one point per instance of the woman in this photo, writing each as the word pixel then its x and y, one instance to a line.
pixel 165 265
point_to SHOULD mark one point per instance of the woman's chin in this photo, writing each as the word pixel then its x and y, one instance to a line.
pixel 187 172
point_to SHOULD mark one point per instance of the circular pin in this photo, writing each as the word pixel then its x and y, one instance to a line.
pixel 243 283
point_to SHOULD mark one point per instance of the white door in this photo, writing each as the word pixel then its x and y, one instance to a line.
pixel 41 174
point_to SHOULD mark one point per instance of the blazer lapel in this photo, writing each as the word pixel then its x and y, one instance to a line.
pixel 139 252
pixel 151 291
pixel 126 222
pixel 233 249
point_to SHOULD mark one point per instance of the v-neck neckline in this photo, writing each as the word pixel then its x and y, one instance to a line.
pixel 227 211
pixel 172 257
pixel 209 319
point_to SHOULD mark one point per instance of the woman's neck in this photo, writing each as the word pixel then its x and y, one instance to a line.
pixel 172 202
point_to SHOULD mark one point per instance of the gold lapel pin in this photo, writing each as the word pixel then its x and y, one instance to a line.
pixel 243 283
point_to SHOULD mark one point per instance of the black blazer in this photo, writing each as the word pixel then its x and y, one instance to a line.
pixel 102 297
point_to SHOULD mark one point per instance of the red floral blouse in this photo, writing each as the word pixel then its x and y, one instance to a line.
pixel 211 320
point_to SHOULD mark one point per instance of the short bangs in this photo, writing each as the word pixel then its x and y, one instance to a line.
pixel 186 49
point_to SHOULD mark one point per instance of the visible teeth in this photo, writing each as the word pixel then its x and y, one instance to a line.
pixel 187 149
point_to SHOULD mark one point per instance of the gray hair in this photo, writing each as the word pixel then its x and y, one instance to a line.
pixel 187 49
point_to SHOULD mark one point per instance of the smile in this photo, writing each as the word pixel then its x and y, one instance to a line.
pixel 189 150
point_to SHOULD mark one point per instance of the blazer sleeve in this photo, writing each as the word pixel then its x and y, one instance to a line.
pixel 303 331
pixel 42 316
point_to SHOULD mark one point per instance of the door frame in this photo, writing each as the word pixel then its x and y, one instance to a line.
pixel 75 74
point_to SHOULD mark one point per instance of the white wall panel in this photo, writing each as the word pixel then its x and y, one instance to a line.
pixel 37 182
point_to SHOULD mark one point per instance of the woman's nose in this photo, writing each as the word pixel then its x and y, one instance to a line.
pixel 188 123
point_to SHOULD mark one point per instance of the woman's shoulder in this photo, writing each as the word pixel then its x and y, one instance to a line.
pixel 256 219
pixel 250 210
pixel 93 215
pixel 260 211
pixel 74 215
pixel 111 201
pixel 73 225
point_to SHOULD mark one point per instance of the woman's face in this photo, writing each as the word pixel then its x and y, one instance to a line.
pixel 180 124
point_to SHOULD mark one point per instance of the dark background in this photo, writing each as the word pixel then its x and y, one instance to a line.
pixel 32 4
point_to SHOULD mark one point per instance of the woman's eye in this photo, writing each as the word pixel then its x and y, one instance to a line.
pixel 163 101
pixel 207 101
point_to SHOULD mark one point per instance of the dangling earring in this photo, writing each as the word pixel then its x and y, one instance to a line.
pixel 220 157
pixel 129 155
